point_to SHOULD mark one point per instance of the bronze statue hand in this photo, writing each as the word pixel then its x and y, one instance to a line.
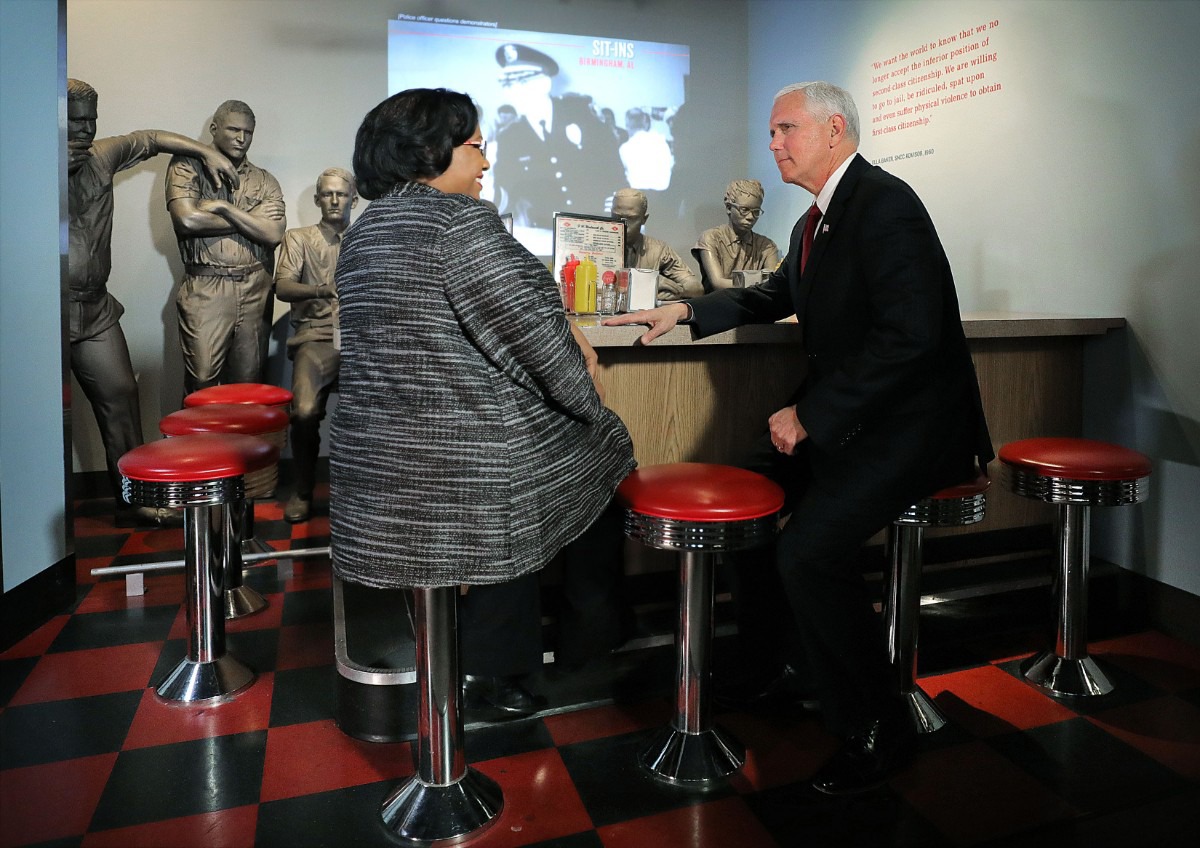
pixel 273 209
pixel 219 169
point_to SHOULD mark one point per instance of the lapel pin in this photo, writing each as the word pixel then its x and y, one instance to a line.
pixel 825 229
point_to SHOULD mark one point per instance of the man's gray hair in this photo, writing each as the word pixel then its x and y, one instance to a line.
pixel 823 100
pixel 341 174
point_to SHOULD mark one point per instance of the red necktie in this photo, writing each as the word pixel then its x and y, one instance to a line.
pixel 810 230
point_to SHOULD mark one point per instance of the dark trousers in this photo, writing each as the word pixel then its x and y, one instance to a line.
pixel 836 504
pixel 500 627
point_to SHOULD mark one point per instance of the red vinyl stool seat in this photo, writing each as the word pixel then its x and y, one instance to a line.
pixel 260 393
pixel 1075 475
pixel 268 423
pixel 699 510
pixel 955 506
pixel 196 473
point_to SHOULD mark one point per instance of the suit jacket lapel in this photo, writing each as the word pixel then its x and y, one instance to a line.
pixel 833 215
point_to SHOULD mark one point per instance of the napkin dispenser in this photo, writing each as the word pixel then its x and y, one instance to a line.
pixel 643 288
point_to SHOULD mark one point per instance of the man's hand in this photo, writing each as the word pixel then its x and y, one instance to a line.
pixel 661 320
pixel 786 430
pixel 220 170
pixel 272 209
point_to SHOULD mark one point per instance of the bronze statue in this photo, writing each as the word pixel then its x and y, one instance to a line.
pixel 735 246
pixel 227 238
pixel 304 278
pixel 99 353
pixel 675 280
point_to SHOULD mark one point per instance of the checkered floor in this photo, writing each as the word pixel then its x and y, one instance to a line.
pixel 89 756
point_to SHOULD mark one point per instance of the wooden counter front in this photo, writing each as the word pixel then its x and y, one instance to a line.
pixel 705 400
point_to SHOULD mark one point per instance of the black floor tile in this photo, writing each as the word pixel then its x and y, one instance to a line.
pixel 91 547
pixel 12 675
pixel 1128 688
pixel 66 730
pixel 182 779
pixel 303 695
pixel 505 739
pixel 311 606
pixel 120 627
pixel 345 817
pixel 874 819
pixel 1093 771
pixel 615 788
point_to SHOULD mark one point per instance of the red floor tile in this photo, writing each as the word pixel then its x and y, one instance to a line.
pixel 36 643
pixel 717 824
pixel 569 728
pixel 292 752
pixel 1167 729
pixel 96 671
pixel 157 722
pixel 109 595
pixel 51 801
pixel 309 574
pixel 1167 663
pixel 304 645
pixel 232 828
pixel 147 542
pixel 268 510
pixel 540 801
pixel 97 525
pixel 987 700
pixel 972 794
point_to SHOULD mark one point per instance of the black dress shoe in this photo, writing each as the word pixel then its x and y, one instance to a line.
pixel 785 690
pixel 868 759
pixel 499 698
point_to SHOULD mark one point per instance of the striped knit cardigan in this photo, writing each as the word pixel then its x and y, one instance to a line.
pixel 468 444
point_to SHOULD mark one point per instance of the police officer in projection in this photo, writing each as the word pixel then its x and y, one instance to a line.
pixel 558 156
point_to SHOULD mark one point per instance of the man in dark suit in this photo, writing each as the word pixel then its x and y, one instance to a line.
pixel 558 156
pixel 888 412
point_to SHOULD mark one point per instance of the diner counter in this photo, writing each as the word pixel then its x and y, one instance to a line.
pixel 706 400
pixel 977 325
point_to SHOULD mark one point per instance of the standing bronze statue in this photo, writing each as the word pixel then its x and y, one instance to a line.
pixel 735 246
pixel 227 239
pixel 99 353
pixel 304 278
pixel 675 280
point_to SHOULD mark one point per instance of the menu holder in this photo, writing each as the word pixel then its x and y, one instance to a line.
pixel 596 237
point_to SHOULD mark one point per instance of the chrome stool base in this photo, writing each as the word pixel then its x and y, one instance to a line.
pixel 423 814
pixel 219 679
pixel 241 601
pixel 1057 675
pixel 925 715
pixel 696 760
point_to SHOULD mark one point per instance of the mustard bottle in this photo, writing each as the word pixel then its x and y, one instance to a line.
pixel 585 286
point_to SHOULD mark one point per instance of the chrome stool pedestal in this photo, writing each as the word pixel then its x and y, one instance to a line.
pixel 446 801
pixel 1075 475
pixel 699 510
pixel 956 506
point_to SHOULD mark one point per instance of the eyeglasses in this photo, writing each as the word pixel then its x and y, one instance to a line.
pixel 480 145
pixel 745 210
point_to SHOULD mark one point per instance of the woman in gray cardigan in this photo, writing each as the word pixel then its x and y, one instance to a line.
pixel 469 444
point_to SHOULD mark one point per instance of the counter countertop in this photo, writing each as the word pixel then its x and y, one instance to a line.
pixel 978 325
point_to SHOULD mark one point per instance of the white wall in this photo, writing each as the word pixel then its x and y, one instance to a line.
pixel 1073 189
pixel 32 478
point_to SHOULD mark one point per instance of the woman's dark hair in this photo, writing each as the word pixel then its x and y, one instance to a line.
pixel 411 135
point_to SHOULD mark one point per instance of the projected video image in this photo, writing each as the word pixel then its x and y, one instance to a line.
pixel 569 119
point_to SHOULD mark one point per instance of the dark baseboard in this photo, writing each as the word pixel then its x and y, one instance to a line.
pixel 30 605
